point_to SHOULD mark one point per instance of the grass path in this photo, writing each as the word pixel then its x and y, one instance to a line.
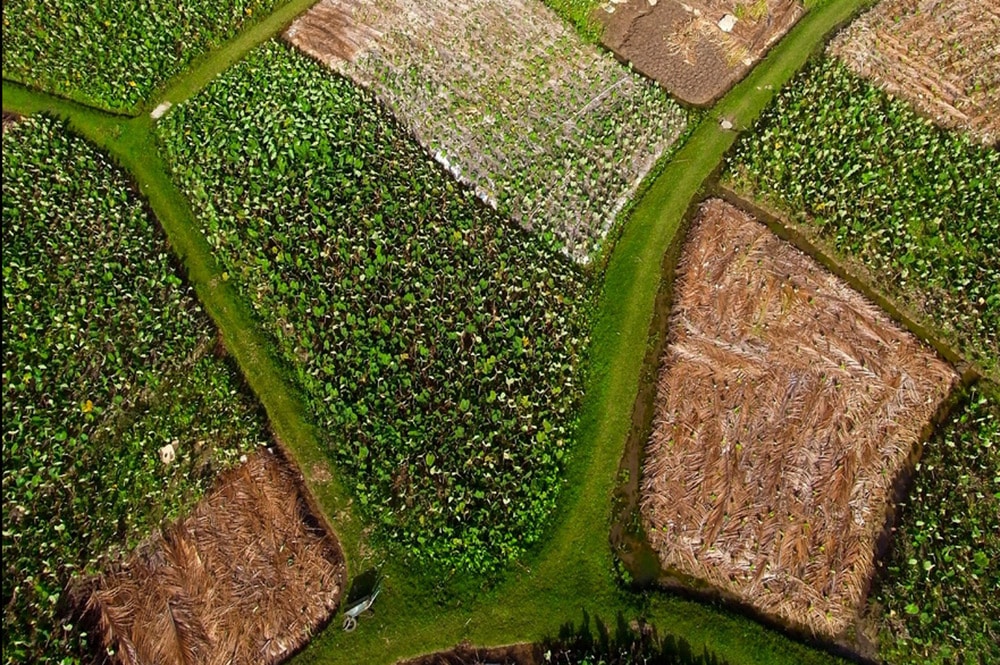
pixel 571 573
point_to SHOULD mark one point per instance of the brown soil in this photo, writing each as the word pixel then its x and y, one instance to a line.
pixel 681 45
pixel 788 407
pixel 247 577
pixel 466 654
pixel 9 120
pixel 944 57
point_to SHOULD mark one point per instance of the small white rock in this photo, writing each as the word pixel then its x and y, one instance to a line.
pixel 160 110
pixel 726 124
pixel 168 454
pixel 652 3
pixel 727 23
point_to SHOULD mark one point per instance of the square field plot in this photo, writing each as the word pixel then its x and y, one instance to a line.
pixel 542 125
pixel 697 49
pixel 943 57
pixel 787 407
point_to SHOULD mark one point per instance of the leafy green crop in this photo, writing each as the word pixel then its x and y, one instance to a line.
pixel 113 53
pixel 107 358
pixel 436 345
pixel 917 207
pixel 940 598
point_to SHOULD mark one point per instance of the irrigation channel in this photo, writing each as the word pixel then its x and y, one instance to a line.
pixel 571 575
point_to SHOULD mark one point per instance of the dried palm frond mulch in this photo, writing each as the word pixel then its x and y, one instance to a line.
pixel 787 407
pixel 245 578
pixel 944 57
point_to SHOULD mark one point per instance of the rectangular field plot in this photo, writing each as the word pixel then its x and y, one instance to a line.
pixel 548 128
pixel 787 407
pixel 436 344
pixel 943 57
pixel 697 49
pixel 241 580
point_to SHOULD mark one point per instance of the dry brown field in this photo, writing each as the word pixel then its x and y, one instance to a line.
pixel 943 56
pixel 787 408
pixel 682 46
pixel 245 578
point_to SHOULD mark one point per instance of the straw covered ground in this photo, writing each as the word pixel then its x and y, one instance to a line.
pixel 787 407
pixel 549 129
pixel 944 57
pixel 246 578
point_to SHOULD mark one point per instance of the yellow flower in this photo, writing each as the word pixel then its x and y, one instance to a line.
pixel 87 406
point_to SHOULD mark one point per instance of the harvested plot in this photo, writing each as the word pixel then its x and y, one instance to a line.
pixel 114 54
pixel 244 579
pixel 943 57
pixel 543 126
pixel 117 411
pixel 697 49
pixel 787 408
pixel 436 344
pixel 912 210
pixel 938 599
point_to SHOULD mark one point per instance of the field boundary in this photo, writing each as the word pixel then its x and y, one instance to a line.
pixel 781 226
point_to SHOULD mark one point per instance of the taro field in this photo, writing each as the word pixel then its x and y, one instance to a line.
pixel 114 54
pixel 916 209
pixel 437 345
pixel 550 130
pixel 939 600
pixel 117 412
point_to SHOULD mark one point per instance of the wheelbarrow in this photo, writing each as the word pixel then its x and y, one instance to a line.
pixel 352 613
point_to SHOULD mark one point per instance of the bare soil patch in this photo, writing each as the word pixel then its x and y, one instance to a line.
pixel 681 44
pixel 788 407
pixel 509 99
pixel 246 578
pixel 944 57
pixel 9 120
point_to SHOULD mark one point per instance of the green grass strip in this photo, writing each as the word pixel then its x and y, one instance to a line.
pixel 572 572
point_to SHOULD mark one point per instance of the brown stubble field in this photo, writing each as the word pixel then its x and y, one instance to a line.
pixel 680 44
pixel 787 408
pixel 247 577
pixel 944 57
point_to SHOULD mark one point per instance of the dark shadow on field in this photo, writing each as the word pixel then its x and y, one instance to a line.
pixel 634 642
pixel 362 585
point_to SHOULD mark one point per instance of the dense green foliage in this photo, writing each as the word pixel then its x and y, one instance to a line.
pixel 114 54
pixel 917 207
pixel 941 595
pixel 106 359
pixel 436 345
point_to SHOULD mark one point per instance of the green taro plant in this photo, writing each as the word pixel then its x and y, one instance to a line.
pixel 436 345
pixel 107 361
pixel 114 54
pixel 917 208
pixel 939 598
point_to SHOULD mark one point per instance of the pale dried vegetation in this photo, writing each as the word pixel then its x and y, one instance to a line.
pixel 787 406
pixel 942 56
pixel 509 99
pixel 244 579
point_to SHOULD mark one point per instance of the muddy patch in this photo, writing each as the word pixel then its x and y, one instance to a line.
pixel 698 49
